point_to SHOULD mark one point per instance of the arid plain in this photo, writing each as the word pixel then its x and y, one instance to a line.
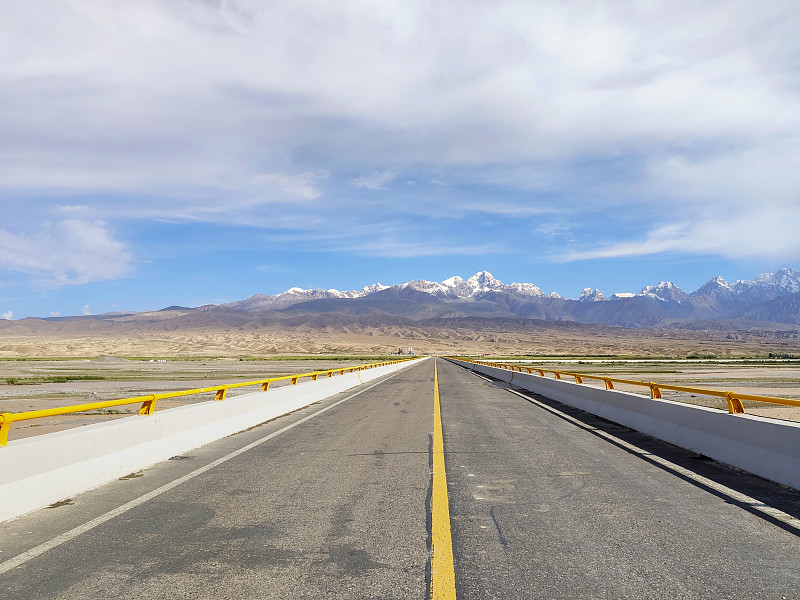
pixel 32 338
pixel 57 367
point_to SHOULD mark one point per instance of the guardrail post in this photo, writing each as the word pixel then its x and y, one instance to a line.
pixel 734 404
pixel 314 376
pixel 220 395
pixel 541 373
pixel 557 374
pixel 149 406
pixel 654 391
pixel 5 425
pixel 265 386
pixel 609 384
pixel 294 380
pixel 578 378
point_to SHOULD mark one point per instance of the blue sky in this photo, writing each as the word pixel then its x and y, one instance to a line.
pixel 156 153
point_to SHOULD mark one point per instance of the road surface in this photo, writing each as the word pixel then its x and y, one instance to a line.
pixel 334 501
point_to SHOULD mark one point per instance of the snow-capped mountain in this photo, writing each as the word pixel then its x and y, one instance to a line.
pixel 763 288
pixel 455 288
pixel 665 291
pixel 292 296
pixel 479 284
pixel 484 295
pixel 770 285
pixel 716 288
pixel 592 296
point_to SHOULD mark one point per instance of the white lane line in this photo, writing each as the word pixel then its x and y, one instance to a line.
pixel 741 498
pixel 21 559
pixel 478 375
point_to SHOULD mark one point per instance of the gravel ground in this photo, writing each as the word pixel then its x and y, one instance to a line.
pixel 29 385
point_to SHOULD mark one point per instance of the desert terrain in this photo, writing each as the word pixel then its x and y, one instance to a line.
pixel 48 363
pixel 334 335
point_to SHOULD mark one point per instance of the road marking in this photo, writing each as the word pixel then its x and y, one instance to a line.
pixel 739 497
pixel 443 579
pixel 21 559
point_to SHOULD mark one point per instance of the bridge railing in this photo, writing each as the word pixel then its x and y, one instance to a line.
pixel 148 402
pixel 734 399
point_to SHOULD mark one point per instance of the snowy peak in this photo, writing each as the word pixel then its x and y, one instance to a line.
pixel 666 291
pixel 592 296
pixel 716 288
pixel 484 287
pixel 528 289
pixel 481 283
pixel 787 281
pixel 429 287
pixel 371 289
pixel 770 285
pixel 762 288
pixel 476 286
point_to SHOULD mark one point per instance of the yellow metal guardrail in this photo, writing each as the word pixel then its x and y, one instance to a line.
pixel 148 403
pixel 734 399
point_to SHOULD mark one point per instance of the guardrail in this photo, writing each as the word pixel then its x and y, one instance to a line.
pixel 148 403
pixel 734 399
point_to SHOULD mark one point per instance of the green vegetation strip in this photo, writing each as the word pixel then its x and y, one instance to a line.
pixel 52 379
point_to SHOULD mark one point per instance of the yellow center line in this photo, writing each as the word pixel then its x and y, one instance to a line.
pixel 443 579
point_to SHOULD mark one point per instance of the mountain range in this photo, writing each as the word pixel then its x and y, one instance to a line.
pixel 769 301
pixel 772 297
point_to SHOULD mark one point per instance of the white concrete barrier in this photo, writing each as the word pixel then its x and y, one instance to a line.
pixel 38 471
pixel 769 448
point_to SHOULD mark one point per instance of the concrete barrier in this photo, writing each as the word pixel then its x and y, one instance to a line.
pixel 765 447
pixel 38 471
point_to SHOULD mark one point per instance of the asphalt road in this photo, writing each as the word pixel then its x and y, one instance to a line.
pixel 543 504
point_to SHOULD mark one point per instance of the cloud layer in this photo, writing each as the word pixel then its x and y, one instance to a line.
pixel 680 117
pixel 69 252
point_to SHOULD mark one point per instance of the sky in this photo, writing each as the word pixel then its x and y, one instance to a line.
pixel 186 152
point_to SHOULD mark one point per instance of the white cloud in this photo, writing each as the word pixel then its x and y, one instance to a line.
pixel 69 252
pixel 7 315
pixel 510 209
pixel 767 233
pixel 394 248
pixel 55 313
pixel 270 268
pixel 71 210
pixel 555 229
pixel 227 113
pixel 85 309
pixel 375 181
pixel 302 186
